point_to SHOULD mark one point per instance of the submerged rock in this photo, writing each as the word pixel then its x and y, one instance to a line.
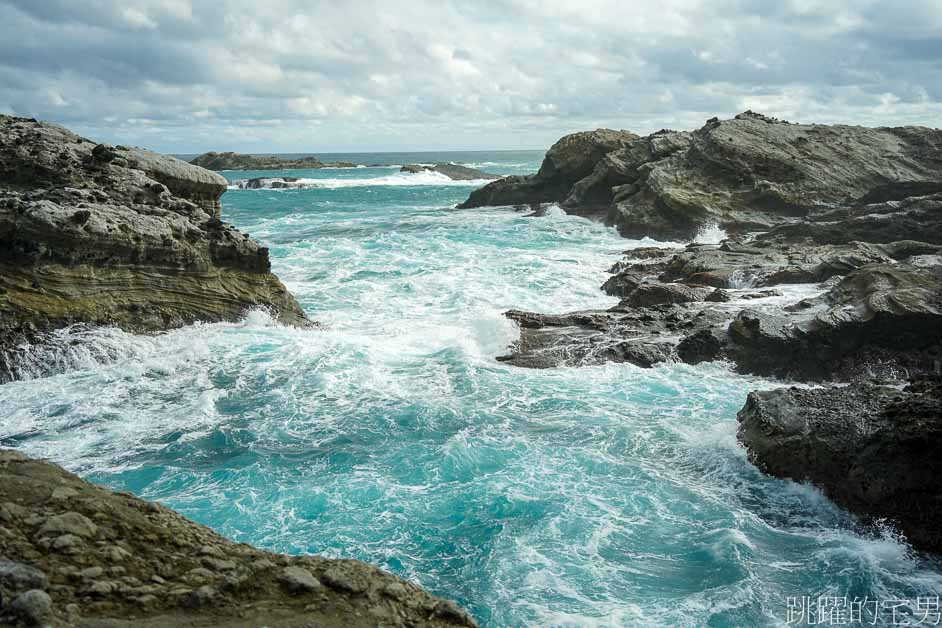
pixel 452 171
pixel 746 174
pixel 874 449
pixel 237 161
pixel 172 571
pixel 98 235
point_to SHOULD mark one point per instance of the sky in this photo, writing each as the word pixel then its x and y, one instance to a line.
pixel 186 76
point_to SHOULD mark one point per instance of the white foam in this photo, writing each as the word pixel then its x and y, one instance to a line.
pixel 406 179
pixel 710 234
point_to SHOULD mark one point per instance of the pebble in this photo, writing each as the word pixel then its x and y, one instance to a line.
pixel 299 580
pixel 69 523
pixel 91 573
pixel 67 543
pixel 115 553
pixel 64 492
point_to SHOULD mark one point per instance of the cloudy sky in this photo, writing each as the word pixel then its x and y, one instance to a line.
pixel 299 75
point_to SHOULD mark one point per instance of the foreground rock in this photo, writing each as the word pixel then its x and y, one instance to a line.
pixel 238 161
pixel 74 554
pixel 98 235
pixel 874 449
pixel 745 174
pixel 454 172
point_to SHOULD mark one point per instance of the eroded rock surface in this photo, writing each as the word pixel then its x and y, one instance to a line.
pixel 97 235
pixel 74 554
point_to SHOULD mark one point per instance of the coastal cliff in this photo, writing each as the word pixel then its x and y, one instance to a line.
pixel 75 554
pixel 97 235
pixel 825 266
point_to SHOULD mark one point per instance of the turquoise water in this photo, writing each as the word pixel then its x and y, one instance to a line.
pixel 601 496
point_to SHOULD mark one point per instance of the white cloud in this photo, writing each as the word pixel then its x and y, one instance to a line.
pixel 296 75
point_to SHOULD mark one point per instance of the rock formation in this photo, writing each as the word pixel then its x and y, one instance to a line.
pixel 875 449
pixel 74 554
pixel 452 171
pixel 238 161
pixel 98 235
pixel 854 214
pixel 745 174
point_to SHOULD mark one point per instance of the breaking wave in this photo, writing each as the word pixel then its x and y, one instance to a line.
pixel 401 179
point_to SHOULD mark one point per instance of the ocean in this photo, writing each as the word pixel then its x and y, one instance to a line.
pixel 599 496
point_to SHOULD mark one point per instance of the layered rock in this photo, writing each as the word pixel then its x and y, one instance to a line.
pixel 238 161
pixel 98 235
pixel 876 450
pixel 455 172
pixel 745 174
pixel 74 554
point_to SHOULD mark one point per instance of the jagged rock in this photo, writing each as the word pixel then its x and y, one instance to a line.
pixel 236 161
pixel 878 313
pixel 452 171
pixel 161 581
pixel 568 161
pixel 746 174
pixel 874 449
pixel 134 242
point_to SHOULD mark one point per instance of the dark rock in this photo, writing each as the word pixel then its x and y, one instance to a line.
pixel 652 294
pixel 33 607
pixel 894 311
pixel 876 450
pixel 19 576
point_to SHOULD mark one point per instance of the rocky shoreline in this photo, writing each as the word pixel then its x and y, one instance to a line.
pixel 75 554
pixel 827 268
pixel 94 235
pixel 238 161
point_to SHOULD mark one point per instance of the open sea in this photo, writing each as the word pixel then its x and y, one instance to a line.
pixel 599 496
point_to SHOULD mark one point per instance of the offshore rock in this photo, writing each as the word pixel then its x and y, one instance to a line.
pixel 750 173
pixel 874 449
pixel 99 235
pixel 237 161
pixel 173 572
pixel 455 172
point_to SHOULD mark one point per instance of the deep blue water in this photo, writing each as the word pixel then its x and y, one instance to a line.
pixel 601 496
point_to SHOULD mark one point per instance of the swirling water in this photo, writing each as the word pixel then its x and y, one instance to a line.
pixel 600 496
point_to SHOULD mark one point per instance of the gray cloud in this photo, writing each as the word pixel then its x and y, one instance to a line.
pixel 293 75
